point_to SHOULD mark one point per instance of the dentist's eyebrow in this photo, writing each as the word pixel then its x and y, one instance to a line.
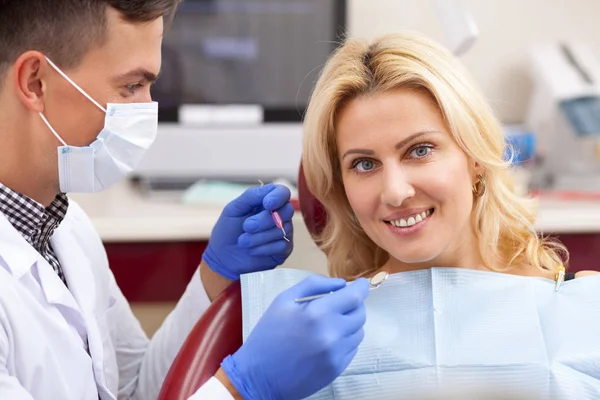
pixel 137 74
pixel 399 145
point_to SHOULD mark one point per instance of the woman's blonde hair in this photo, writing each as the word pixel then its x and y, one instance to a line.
pixel 503 220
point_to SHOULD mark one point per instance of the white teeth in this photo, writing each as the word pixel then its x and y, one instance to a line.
pixel 402 223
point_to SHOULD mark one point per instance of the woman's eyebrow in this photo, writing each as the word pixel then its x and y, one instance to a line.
pixel 412 137
pixel 399 145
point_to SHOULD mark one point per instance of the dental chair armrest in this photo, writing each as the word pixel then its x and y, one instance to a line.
pixel 217 334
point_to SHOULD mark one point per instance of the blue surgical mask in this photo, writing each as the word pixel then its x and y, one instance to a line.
pixel 473 334
pixel 129 130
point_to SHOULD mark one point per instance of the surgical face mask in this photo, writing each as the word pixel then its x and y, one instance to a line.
pixel 465 333
pixel 129 130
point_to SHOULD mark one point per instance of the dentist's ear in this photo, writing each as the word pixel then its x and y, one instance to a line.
pixel 29 72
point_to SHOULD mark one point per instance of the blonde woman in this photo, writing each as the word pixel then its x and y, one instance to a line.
pixel 407 158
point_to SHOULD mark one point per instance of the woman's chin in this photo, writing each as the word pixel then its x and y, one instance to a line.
pixel 418 259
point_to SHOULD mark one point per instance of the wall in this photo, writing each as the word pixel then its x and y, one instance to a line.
pixel 499 58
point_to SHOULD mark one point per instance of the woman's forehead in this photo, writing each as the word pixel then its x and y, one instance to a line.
pixel 387 116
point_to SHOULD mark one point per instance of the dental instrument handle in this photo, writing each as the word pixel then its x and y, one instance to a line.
pixel 277 219
pixel 309 298
pixel 279 223
pixel 375 281
pixel 315 297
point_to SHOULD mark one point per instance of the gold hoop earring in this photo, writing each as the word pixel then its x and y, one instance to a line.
pixel 479 189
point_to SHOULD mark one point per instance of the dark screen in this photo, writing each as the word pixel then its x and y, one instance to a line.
pixel 267 53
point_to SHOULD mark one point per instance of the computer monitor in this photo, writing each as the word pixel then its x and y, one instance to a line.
pixel 265 52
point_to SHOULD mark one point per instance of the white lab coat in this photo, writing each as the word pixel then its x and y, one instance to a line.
pixel 45 327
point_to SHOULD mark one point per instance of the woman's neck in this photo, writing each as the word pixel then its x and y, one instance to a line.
pixel 461 254
pixel 468 261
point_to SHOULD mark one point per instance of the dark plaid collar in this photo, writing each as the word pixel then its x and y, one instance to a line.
pixel 34 222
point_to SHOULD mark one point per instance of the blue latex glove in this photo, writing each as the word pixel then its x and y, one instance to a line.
pixel 245 238
pixel 296 349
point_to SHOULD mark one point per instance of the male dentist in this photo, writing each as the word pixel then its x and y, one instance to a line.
pixel 76 116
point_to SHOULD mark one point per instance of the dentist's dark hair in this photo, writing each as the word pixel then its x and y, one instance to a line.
pixel 65 30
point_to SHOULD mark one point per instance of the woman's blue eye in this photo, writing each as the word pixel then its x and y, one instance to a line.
pixel 364 165
pixel 421 151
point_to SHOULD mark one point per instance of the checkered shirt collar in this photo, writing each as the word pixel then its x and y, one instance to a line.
pixel 28 216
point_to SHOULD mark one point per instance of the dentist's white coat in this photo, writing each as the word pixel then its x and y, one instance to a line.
pixel 44 327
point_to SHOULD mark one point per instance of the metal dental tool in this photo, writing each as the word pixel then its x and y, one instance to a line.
pixel 374 283
pixel 277 219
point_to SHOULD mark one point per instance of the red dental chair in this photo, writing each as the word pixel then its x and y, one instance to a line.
pixel 219 332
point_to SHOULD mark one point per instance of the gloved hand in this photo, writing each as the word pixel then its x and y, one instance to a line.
pixel 245 238
pixel 296 349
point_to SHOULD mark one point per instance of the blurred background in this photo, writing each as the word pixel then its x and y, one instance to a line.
pixel 235 82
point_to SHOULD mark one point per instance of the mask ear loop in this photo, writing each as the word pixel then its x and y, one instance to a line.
pixel 52 129
pixel 75 85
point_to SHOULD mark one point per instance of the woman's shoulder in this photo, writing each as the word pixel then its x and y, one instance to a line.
pixel 581 274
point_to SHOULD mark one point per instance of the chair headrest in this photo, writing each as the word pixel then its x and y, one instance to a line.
pixel 312 210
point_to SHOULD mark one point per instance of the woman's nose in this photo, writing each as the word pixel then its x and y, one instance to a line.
pixel 396 187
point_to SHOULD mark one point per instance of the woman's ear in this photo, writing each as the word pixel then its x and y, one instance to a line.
pixel 477 171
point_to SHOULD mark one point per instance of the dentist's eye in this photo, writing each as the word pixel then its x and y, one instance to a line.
pixel 421 151
pixel 363 165
pixel 132 88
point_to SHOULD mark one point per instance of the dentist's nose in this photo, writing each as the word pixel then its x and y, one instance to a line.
pixel 396 187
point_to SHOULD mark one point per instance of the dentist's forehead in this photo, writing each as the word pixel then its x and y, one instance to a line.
pixel 128 49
